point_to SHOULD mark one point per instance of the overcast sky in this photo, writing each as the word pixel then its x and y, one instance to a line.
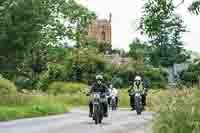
pixel 126 14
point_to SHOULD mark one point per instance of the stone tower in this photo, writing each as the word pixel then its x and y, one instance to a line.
pixel 101 30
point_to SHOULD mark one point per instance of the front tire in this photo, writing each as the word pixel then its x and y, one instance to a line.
pixel 96 114
pixel 138 106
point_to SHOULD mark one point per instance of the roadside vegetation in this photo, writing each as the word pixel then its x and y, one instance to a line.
pixel 178 112
pixel 42 75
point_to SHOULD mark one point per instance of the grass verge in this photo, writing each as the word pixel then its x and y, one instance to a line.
pixel 178 112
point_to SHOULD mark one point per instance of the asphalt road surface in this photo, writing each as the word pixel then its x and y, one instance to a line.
pixel 121 121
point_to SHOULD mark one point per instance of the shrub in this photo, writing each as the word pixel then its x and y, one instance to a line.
pixel 23 82
pixel 117 82
pixel 7 87
pixel 192 75
pixel 62 87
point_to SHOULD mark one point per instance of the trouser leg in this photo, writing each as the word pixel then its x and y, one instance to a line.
pixel 90 108
pixel 105 108
pixel 144 100
pixel 117 101
pixel 109 100
pixel 132 100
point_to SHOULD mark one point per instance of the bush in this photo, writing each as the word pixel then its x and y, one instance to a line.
pixel 23 82
pixel 191 76
pixel 7 87
pixel 156 78
pixel 62 87
pixel 117 82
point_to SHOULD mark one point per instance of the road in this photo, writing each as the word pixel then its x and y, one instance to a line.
pixel 122 121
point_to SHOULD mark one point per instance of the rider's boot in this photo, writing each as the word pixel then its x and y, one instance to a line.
pixel 90 110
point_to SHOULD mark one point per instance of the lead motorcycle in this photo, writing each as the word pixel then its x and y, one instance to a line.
pixel 137 101
pixel 98 110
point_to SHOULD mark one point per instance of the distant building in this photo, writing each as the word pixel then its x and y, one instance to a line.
pixel 101 30
pixel 118 60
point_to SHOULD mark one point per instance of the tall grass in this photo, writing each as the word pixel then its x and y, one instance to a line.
pixel 23 105
pixel 179 113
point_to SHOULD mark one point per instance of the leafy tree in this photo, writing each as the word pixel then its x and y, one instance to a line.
pixel 195 7
pixel 103 47
pixel 139 51
pixel 28 26
pixel 88 62
pixel 164 29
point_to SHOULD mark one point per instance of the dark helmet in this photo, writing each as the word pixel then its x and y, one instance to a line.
pixel 99 79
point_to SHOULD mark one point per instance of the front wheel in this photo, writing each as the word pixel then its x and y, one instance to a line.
pixel 96 117
pixel 138 105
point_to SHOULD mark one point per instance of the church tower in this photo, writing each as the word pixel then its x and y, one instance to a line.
pixel 101 30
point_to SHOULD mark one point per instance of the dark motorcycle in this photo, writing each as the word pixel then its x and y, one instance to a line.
pixel 137 101
pixel 98 111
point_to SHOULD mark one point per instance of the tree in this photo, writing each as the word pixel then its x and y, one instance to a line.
pixel 164 29
pixel 139 51
pixel 195 7
pixel 28 26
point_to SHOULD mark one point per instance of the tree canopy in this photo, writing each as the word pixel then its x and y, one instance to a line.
pixel 29 26
pixel 164 28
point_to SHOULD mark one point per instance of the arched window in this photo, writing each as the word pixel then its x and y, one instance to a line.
pixel 103 34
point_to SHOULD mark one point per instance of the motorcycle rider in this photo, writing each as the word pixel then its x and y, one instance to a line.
pixel 138 85
pixel 114 92
pixel 99 86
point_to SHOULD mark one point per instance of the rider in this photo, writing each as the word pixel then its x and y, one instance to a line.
pixel 112 92
pixel 138 85
pixel 99 86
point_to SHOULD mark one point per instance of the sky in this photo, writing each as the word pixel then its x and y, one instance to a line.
pixel 126 15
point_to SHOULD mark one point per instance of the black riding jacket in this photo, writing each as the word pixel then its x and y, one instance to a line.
pixel 102 88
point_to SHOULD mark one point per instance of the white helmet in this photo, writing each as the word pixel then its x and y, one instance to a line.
pixel 99 77
pixel 138 78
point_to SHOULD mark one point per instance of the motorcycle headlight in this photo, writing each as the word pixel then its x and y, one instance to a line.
pixel 137 94
pixel 96 96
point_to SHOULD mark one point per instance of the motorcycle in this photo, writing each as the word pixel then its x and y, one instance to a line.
pixel 98 111
pixel 137 101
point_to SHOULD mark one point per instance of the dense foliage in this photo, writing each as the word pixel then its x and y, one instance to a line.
pixel 191 76
pixel 29 27
pixel 164 29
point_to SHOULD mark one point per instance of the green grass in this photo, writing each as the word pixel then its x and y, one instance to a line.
pixel 25 105
pixel 16 112
pixel 123 98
